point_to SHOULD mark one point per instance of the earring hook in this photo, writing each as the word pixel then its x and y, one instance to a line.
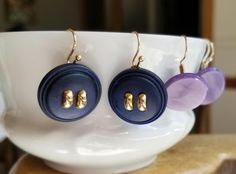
pixel 207 52
pixel 181 67
pixel 140 58
pixel 77 57
pixel 210 55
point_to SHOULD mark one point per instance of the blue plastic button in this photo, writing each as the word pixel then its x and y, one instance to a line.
pixel 136 81
pixel 74 77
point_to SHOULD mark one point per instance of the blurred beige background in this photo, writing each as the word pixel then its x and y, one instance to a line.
pixel 223 117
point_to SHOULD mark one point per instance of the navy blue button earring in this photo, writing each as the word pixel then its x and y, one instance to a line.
pixel 137 95
pixel 69 91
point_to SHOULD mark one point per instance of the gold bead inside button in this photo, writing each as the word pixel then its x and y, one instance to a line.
pixel 142 102
pixel 128 101
pixel 67 100
pixel 81 99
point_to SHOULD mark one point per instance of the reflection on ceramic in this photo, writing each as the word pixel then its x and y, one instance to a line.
pixel 2 133
pixel 13 169
pixel 100 142
pixel 2 112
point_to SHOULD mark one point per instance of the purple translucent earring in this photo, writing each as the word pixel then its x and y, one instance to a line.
pixel 186 91
pixel 213 77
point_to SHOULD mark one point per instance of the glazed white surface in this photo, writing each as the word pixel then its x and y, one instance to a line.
pixel 101 142
pixel 2 112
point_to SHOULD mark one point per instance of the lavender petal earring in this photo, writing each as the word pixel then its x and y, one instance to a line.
pixel 213 77
pixel 186 91
pixel 137 95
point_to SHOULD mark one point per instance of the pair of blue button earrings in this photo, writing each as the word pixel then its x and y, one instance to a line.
pixel 71 91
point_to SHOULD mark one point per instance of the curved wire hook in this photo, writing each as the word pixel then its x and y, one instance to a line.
pixel 207 52
pixel 140 58
pixel 77 57
pixel 210 55
pixel 181 67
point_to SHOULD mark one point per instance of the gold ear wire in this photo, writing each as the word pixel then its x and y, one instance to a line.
pixel 77 57
pixel 140 58
pixel 181 67
pixel 209 56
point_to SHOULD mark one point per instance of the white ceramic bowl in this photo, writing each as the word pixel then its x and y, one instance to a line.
pixel 2 112
pixel 100 142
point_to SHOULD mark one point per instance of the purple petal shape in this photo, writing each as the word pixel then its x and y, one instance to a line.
pixel 186 91
pixel 215 81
